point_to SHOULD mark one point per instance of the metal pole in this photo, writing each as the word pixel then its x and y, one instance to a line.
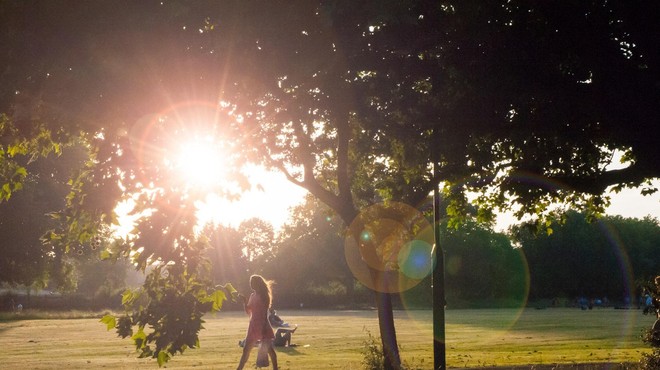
pixel 439 347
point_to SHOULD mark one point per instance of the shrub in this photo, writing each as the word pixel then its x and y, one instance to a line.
pixel 374 358
pixel 651 361
pixel 372 352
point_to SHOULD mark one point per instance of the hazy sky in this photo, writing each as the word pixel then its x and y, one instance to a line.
pixel 273 203
pixel 628 203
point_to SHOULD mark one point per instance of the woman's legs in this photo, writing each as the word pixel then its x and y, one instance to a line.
pixel 246 355
pixel 271 353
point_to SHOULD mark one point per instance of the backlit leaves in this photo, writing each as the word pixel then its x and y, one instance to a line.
pixel 109 321
pixel 168 309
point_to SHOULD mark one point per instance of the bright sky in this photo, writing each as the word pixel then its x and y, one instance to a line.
pixel 270 200
pixel 278 196
pixel 628 203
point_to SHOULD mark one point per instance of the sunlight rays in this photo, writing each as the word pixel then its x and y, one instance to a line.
pixel 191 149
pixel 199 163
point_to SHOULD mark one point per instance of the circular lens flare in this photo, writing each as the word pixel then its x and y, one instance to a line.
pixel 415 259
pixel 388 247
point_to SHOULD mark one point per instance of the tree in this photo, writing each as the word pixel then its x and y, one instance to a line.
pixel 604 258
pixel 523 103
pixel 24 260
pixel 228 262
pixel 257 242
pixel 310 253
pixel 640 238
pixel 482 267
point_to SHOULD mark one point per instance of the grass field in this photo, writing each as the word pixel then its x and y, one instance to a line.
pixel 335 339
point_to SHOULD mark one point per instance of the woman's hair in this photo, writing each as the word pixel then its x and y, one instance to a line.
pixel 262 287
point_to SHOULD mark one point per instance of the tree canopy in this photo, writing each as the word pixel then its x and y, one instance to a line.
pixel 524 104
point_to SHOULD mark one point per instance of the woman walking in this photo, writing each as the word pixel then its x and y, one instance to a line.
pixel 259 328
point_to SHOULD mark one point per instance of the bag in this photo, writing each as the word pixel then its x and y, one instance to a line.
pixel 262 355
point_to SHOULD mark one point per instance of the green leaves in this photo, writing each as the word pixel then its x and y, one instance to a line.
pixel 229 288
pixel 162 358
pixel 6 192
pixel 129 296
pixel 14 176
pixel 20 172
pixel 109 321
pixel 19 148
pixel 168 309
pixel 105 254
pixel 217 298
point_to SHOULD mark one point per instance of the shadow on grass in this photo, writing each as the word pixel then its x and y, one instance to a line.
pixel 587 366
pixel 293 351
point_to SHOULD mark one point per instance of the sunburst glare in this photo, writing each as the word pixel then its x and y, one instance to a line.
pixel 199 162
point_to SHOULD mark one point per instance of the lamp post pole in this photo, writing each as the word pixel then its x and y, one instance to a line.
pixel 438 278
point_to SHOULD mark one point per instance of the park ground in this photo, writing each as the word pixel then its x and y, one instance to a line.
pixel 485 338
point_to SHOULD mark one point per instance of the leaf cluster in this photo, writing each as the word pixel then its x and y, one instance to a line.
pixel 167 311
pixel 18 150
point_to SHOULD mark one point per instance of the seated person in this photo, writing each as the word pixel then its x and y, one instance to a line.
pixel 284 330
pixel 283 338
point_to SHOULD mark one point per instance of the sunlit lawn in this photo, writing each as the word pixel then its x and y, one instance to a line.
pixel 335 339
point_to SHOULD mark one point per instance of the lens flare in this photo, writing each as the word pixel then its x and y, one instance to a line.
pixel 388 247
pixel 415 260
pixel 612 236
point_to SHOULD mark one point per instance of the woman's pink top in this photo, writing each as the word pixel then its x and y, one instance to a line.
pixel 259 327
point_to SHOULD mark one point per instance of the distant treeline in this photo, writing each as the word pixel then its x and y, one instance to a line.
pixel 608 260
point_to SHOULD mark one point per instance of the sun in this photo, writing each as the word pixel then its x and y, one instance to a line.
pixel 202 158
pixel 200 163
pixel 204 165
pixel 191 149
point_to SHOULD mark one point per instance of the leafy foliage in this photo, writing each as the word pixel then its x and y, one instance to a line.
pixel 167 311
pixel 373 354
pixel 256 241
pixel 17 150
pixel 651 360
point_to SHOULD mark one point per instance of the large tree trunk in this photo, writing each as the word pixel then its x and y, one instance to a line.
pixel 391 359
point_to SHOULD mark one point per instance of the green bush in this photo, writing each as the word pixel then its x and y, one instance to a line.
pixel 372 352
pixel 651 361
pixel 373 358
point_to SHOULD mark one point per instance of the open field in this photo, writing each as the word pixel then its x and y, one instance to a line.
pixel 335 339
